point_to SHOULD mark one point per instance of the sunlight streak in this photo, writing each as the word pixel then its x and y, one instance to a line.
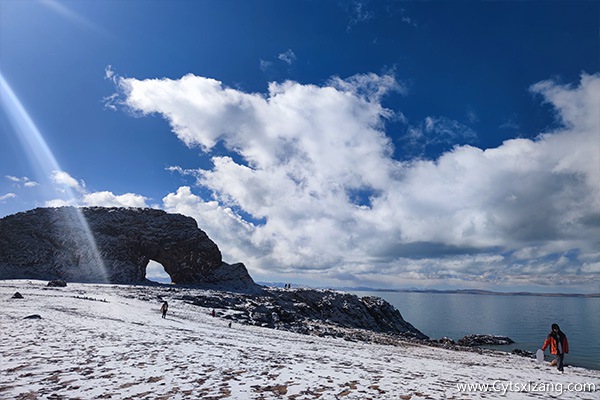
pixel 43 160
pixel 74 18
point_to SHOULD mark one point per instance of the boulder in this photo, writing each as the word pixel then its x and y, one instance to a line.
pixel 33 316
pixel 57 283
pixel 17 295
pixel 111 245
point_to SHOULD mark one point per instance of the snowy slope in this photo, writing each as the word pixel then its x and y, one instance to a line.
pixel 107 341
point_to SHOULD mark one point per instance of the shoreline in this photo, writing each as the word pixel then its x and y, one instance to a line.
pixel 109 340
pixel 525 320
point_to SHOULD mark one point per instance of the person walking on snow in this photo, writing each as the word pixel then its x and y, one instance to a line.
pixel 164 308
pixel 559 345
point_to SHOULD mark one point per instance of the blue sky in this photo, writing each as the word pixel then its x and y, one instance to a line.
pixel 372 143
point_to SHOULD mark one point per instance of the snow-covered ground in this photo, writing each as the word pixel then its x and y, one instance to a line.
pixel 109 341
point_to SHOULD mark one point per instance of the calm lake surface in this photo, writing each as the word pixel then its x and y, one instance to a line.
pixel 525 319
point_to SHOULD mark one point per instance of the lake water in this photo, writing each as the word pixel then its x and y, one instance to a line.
pixel 525 319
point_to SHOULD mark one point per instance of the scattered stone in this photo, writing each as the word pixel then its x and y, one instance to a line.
pixel 276 389
pixel 33 316
pixel 17 295
pixel 480 340
pixel 523 353
pixel 445 341
pixel 57 283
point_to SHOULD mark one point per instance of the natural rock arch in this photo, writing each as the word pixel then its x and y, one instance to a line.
pixel 52 243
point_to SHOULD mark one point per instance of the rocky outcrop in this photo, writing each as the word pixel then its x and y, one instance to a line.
pixel 481 340
pixel 319 312
pixel 57 283
pixel 112 245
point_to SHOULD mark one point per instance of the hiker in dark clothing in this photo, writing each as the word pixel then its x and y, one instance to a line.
pixel 559 345
pixel 164 308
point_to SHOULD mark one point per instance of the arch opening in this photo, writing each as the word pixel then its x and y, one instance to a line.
pixel 155 272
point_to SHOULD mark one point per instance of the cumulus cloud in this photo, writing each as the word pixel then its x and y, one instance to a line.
pixel 60 203
pixel 224 225
pixel 82 196
pixel 108 199
pixel 314 186
pixel 64 179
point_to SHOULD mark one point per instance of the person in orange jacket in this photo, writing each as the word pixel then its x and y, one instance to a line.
pixel 559 345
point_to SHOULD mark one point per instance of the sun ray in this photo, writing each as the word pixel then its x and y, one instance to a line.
pixel 44 162
pixel 75 18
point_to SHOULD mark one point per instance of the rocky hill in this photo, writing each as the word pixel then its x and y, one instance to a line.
pixel 112 245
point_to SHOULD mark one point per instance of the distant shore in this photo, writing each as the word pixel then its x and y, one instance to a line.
pixel 447 291
pixel 477 292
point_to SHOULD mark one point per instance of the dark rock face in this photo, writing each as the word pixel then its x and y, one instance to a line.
pixel 57 283
pixel 480 340
pixel 56 243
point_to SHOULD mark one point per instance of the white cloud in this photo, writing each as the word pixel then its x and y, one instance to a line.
pixel 370 86
pixel 12 178
pixel 59 203
pixel 324 194
pixel 25 181
pixel 108 199
pixel 64 179
pixel 288 56
pixel 7 196
pixel 110 74
pixel 81 196
pixel 221 224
